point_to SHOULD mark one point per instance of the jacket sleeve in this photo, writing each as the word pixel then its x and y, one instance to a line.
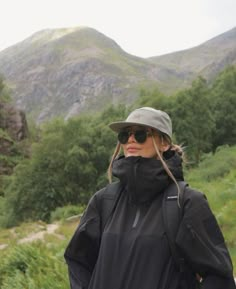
pixel 200 239
pixel 82 250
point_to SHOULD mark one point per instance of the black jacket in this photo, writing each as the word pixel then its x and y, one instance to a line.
pixel 132 250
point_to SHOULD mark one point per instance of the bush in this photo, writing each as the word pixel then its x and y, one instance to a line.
pixel 66 212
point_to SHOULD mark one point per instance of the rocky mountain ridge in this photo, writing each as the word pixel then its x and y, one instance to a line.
pixel 207 59
pixel 13 129
pixel 68 71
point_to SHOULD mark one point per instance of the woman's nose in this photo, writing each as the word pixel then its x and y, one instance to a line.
pixel 131 137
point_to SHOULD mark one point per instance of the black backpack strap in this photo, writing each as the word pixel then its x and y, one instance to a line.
pixel 172 215
pixel 111 196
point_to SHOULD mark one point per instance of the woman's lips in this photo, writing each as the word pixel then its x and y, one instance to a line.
pixel 132 149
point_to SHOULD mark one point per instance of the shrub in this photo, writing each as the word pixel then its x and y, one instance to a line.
pixel 66 212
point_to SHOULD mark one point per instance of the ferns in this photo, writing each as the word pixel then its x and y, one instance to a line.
pixel 34 266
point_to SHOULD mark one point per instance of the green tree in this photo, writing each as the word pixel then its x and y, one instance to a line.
pixel 223 100
pixel 192 118
pixel 59 172
pixel 104 140
pixel 154 98
pixel 67 166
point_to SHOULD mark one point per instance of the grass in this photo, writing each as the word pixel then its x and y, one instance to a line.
pixel 216 178
pixel 39 264
pixel 11 236
pixel 31 266
pixel 67 228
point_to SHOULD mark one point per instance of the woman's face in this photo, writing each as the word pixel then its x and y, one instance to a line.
pixel 145 149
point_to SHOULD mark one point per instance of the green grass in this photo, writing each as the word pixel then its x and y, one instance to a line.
pixel 31 266
pixel 36 265
pixel 11 236
pixel 216 178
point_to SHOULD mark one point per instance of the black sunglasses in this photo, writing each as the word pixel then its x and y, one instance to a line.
pixel 140 135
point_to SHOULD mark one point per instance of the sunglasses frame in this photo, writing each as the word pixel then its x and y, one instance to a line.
pixel 125 134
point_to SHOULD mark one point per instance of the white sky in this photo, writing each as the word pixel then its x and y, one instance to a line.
pixel 141 27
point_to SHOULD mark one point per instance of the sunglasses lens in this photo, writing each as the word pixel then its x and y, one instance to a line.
pixel 139 135
pixel 123 137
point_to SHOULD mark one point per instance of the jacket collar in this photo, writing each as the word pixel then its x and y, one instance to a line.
pixel 145 178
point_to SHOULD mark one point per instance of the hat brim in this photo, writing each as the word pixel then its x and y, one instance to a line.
pixel 119 125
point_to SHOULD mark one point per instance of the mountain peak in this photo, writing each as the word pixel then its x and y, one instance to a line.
pixel 47 35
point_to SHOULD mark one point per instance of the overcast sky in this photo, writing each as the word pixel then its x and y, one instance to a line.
pixel 141 27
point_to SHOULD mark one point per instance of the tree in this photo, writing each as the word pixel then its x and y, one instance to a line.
pixel 223 101
pixel 57 173
pixel 192 119
pixel 154 98
pixel 67 166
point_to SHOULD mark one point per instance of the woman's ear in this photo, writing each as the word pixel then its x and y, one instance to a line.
pixel 164 144
pixel 164 147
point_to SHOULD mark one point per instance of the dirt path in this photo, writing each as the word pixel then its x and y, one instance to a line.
pixel 50 229
pixel 3 246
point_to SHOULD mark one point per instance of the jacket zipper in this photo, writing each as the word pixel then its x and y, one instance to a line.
pixel 136 219
pixel 137 216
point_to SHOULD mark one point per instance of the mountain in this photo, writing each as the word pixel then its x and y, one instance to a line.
pixel 61 71
pixel 207 59
pixel 67 71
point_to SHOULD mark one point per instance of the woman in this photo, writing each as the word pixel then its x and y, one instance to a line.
pixel 128 249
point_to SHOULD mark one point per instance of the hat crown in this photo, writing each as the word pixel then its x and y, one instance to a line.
pixel 146 116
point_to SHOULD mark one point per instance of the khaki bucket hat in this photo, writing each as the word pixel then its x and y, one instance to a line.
pixel 146 116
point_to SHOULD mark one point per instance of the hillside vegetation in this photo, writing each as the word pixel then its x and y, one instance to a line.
pixel 216 177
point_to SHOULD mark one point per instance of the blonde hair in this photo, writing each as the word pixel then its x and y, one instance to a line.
pixel 173 147
pixel 164 138
pixel 115 154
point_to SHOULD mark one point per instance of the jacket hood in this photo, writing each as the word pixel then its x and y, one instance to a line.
pixel 145 178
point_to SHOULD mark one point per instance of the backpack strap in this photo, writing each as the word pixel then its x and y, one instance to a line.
pixel 111 196
pixel 172 209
